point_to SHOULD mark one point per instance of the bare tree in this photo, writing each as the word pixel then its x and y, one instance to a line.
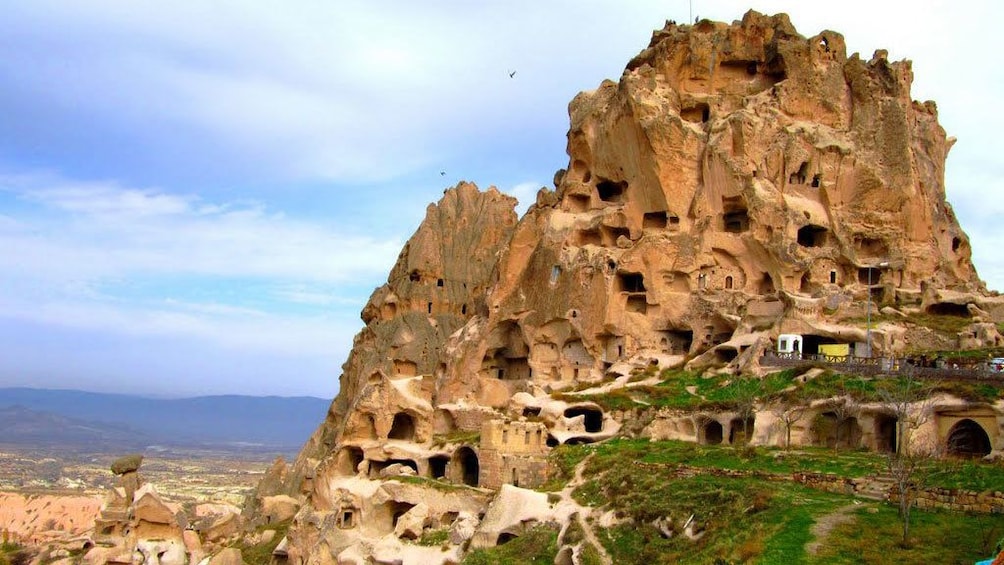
pixel 910 466
pixel 843 410
pixel 745 394
pixel 788 410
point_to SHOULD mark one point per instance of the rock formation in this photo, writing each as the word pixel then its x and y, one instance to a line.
pixel 740 182
pixel 136 525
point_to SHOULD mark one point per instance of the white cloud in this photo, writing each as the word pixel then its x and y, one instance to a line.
pixel 363 94
pixel 101 230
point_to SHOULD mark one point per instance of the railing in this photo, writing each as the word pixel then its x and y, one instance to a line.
pixel 892 366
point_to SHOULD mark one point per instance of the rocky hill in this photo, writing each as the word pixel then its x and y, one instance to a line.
pixel 88 421
pixel 738 184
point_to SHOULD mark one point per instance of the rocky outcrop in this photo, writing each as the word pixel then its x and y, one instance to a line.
pixel 136 525
pixel 739 182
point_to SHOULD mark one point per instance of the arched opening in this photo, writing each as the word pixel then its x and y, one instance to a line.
pixel 812 236
pixel 505 537
pixel 801 175
pixel 712 433
pixel 740 430
pixel 396 510
pixel 806 285
pixel 885 433
pixel 656 220
pixel 552 441
pixel 956 242
pixel 348 460
pixel 631 282
pixel 728 282
pixel 593 417
pixel 403 427
pixel 766 285
pixel 968 439
pixel 949 309
pixel 736 221
pixel 610 191
pixel 726 354
pixel 698 113
pixel 468 468
pixel 832 430
pixel 437 466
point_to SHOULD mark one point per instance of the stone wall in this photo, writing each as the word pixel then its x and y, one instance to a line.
pixel 513 453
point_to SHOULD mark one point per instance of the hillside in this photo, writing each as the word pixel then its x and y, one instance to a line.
pixel 121 422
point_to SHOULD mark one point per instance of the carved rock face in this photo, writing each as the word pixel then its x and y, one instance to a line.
pixel 160 552
pixel 739 182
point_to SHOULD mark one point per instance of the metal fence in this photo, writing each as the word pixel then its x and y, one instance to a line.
pixel 889 366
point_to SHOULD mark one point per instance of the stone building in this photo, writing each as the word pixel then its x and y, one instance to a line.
pixel 513 453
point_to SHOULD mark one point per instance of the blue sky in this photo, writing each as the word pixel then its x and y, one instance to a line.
pixel 198 197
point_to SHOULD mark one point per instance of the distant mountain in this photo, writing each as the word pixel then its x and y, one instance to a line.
pixel 63 417
pixel 24 426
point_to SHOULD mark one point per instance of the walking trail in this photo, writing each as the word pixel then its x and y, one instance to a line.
pixel 824 525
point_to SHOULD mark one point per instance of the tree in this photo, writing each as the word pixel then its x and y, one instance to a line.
pixel 838 414
pixel 744 394
pixel 909 465
pixel 788 410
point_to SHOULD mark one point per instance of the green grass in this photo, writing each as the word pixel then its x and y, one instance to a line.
pixel 434 537
pixel 936 537
pixel 538 546
pixel 744 520
pixel 12 553
pixel 750 520
pixel 671 392
pixel 261 554
pixel 635 453
pixel 728 392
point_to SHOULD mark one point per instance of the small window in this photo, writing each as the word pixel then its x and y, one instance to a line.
pixel 429 307
pixel 463 310
pixel 833 277
pixel 414 276
pixel 439 282
pixel 526 438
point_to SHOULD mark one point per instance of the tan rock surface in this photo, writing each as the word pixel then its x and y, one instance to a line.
pixel 739 181
pixel 38 519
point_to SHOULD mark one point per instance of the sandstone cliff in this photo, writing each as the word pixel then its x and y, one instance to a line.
pixel 739 182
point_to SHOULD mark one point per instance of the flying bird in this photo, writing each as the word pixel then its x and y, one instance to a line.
pixel 442 173
pixel 512 74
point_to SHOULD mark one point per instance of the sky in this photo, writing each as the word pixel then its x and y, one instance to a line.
pixel 198 197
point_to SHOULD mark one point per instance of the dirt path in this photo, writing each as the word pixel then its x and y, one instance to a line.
pixel 583 512
pixel 825 524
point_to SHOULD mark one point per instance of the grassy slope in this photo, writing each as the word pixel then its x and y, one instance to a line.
pixel 750 520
